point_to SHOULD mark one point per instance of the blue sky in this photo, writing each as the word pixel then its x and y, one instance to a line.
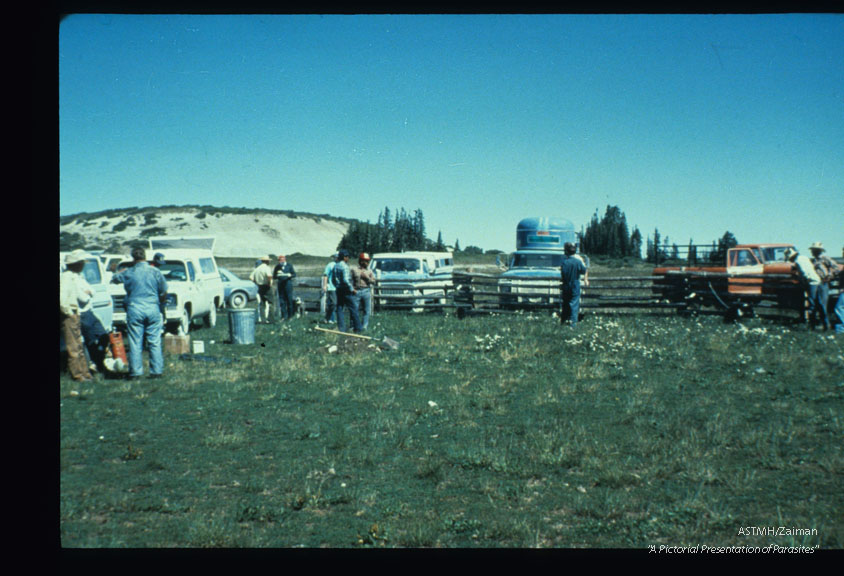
pixel 692 124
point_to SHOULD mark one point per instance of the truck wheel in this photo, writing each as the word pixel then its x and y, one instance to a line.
pixel 238 300
pixel 184 323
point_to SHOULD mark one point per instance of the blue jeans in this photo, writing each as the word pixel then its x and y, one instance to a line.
pixel 284 302
pixel 818 304
pixel 364 296
pixel 144 320
pixel 347 300
pixel 839 313
pixel 571 305
pixel 330 306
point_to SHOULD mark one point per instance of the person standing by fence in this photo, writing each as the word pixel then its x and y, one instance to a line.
pixel 329 292
pixel 363 280
pixel 342 277
pixel 145 289
pixel 262 276
pixel 283 274
pixel 571 270
pixel 826 270
pixel 808 277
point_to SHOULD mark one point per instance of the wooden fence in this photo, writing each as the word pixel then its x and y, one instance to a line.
pixel 476 293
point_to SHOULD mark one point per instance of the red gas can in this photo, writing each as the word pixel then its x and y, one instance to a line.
pixel 117 348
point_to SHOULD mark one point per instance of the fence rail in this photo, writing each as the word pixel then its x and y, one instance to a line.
pixel 478 293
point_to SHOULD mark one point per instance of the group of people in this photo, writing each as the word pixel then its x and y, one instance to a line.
pixel 347 288
pixel 146 290
pixel 283 275
pixel 816 274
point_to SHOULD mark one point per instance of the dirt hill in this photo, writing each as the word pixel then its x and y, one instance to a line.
pixel 240 233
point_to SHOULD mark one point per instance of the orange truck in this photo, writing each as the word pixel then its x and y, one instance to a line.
pixel 753 274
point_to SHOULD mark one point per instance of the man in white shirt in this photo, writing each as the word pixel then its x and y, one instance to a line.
pixel 810 279
pixel 263 277
pixel 75 295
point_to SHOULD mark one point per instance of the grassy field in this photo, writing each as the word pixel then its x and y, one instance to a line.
pixel 496 431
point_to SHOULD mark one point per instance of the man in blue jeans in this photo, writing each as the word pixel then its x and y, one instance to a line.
pixel 145 290
pixel 346 292
pixel 570 271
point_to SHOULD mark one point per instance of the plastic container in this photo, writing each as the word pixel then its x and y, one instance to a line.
pixel 242 326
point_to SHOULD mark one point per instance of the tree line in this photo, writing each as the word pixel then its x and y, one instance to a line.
pixel 395 231
pixel 610 236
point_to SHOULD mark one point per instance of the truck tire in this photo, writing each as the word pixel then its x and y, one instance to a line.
pixel 183 327
pixel 238 300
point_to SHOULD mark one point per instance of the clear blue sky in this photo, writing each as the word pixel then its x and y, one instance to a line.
pixel 693 124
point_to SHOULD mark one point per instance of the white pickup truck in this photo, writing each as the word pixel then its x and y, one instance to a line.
pixel 194 287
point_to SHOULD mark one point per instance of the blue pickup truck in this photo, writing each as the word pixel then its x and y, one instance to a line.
pixel 532 272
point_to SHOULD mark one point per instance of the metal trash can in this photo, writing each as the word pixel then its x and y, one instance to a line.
pixel 242 326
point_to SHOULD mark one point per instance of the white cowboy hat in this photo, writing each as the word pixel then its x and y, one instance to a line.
pixel 76 256
pixel 817 246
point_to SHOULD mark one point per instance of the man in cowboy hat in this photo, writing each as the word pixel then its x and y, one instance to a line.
pixel 263 277
pixel 826 270
pixel 74 295
pixel 808 277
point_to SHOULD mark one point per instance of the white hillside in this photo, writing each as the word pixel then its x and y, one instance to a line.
pixel 238 234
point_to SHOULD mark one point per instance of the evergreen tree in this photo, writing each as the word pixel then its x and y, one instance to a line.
pixel 727 241
pixel 609 235
pixel 636 243
pixel 654 248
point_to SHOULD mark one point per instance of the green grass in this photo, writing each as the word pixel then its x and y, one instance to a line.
pixel 499 431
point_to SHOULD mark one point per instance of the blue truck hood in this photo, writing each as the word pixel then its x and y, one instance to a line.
pixel 400 277
pixel 553 273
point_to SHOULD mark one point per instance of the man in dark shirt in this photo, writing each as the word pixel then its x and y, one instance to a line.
pixel 283 274
pixel 571 270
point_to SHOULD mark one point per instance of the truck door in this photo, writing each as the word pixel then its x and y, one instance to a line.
pixel 744 261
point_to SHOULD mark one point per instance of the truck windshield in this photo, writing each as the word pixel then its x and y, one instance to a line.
pixel 774 254
pixel 399 265
pixel 537 260
pixel 91 272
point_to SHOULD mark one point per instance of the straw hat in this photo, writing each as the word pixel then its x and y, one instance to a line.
pixel 817 246
pixel 76 256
